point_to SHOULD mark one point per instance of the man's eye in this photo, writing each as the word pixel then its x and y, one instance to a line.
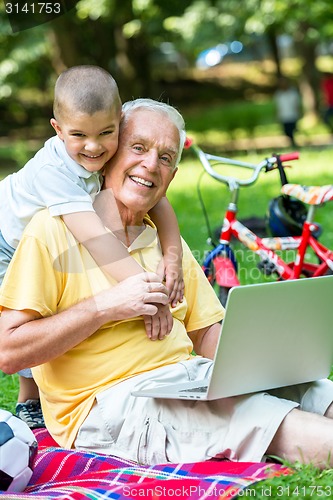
pixel 166 159
pixel 138 148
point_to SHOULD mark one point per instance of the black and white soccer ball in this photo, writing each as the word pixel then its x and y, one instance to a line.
pixel 18 449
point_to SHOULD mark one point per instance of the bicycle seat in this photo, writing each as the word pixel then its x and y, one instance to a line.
pixel 312 195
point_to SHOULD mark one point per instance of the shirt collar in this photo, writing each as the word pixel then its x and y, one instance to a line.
pixel 147 238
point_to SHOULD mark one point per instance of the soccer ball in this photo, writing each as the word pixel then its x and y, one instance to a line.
pixel 18 449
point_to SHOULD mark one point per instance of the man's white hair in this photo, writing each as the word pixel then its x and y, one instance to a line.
pixel 174 116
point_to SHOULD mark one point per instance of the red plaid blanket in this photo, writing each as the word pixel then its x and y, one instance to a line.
pixel 71 475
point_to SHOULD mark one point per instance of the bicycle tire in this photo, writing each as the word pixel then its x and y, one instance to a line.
pixel 223 293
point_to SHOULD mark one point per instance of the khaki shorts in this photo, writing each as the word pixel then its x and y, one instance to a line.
pixel 151 431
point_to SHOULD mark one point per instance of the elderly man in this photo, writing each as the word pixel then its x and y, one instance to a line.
pixel 87 342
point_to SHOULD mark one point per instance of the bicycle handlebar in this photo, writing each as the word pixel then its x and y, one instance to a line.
pixel 289 156
pixel 234 182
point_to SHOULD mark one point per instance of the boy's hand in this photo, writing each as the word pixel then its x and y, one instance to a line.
pixel 159 325
pixel 175 286
pixel 171 268
pixel 174 280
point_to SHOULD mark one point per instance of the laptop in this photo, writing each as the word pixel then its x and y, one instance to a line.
pixel 273 335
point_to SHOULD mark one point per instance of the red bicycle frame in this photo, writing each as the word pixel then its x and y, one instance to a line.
pixel 220 264
pixel 226 275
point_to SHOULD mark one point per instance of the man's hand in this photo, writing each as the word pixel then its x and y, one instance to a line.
pixel 139 295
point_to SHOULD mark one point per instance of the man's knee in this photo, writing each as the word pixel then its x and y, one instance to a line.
pixel 283 436
pixel 305 437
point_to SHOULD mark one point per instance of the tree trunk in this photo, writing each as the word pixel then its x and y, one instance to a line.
pixel 310 78
pixel 63 42
pixel 271 34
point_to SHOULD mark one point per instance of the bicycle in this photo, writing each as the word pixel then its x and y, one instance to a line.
pixel 220 264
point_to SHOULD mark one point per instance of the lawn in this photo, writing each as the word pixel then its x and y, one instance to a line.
pixel 314 167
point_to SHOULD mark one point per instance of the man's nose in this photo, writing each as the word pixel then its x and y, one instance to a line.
pixel 150 160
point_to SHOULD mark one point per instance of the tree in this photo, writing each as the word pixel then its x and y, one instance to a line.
pixel 124 35
pixel 120 36
pixel 308 23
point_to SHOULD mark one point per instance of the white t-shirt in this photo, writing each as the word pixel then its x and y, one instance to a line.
pixel 51 179
pixel 288 105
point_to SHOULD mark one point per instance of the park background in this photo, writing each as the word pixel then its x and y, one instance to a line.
pixel 217 61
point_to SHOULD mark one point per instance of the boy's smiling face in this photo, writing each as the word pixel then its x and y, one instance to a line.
pixel 90 140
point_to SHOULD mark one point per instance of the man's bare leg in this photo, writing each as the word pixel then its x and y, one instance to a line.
pixel 305 437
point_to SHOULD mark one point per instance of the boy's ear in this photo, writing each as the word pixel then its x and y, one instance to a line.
pixel 56 127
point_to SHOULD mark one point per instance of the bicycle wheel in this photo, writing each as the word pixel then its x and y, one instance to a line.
pixel 223 293
pixel 212 265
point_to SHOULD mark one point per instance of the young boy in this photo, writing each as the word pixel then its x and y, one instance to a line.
pixel 65 176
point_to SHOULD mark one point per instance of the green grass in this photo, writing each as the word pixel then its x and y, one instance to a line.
pixel 225 121
pixel 9 391
pixel 314 167
pixel 306 483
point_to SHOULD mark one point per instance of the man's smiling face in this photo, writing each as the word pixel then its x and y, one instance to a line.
pixel 145 163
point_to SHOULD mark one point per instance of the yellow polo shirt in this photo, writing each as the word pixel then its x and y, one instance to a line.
pixel 50 272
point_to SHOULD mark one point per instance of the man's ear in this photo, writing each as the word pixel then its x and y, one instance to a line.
pixel 57 128
pixel 174 173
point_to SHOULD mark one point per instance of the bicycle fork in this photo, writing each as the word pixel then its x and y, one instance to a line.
pixel 222 258
pixel 224 265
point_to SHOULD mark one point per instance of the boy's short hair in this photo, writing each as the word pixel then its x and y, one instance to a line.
pixel 86 89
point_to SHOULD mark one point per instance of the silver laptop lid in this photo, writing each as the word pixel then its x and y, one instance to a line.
pixel 274 335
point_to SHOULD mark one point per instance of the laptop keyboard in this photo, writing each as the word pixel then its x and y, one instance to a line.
pixel 202 388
